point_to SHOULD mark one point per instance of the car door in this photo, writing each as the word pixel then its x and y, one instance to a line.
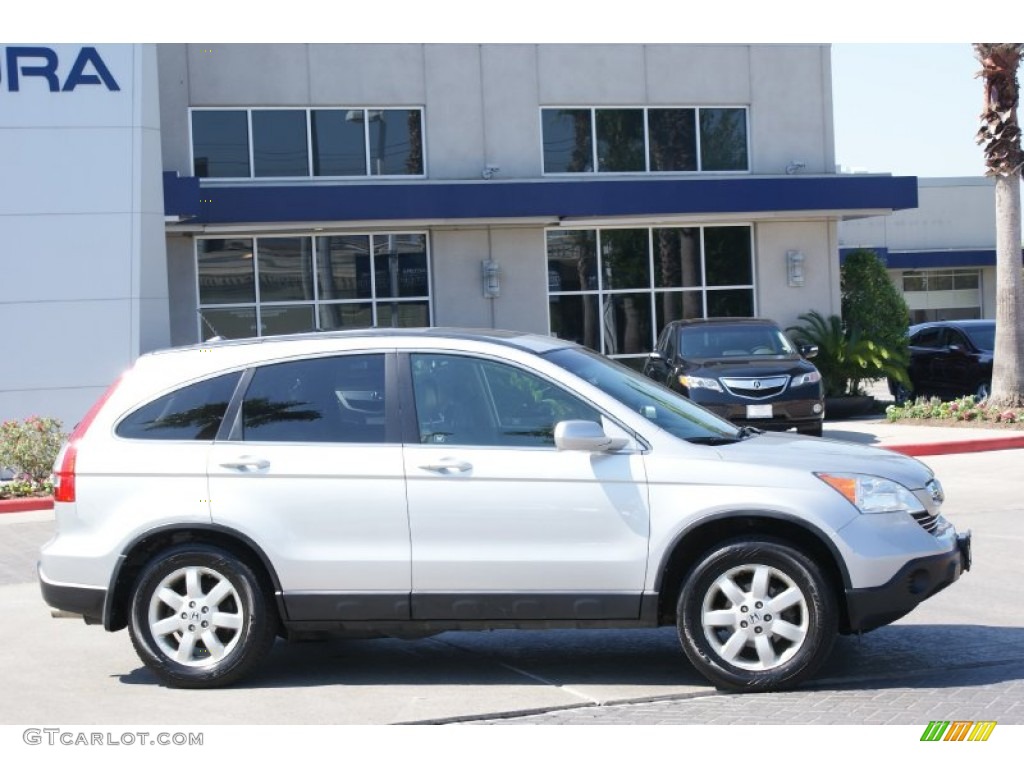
pixel 926 363
pixel 312 472
pixel 503 524
pixel 960 364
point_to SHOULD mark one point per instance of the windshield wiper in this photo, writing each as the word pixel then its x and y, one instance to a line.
pixel 746 432
pixel 712 440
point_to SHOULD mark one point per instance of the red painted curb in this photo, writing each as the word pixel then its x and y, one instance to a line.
pixel 31 504
pixel 958 446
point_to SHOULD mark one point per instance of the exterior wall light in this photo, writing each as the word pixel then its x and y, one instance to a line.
pixel 795 269
pixel 491 273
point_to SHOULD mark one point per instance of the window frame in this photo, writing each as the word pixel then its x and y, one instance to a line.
pixel 310 153
pixel 652 291
pixel 645 109
pixel 257 305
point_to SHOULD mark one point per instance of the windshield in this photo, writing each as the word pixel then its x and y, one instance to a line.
pixel 747 340
pixel 982 336
pixel 656 403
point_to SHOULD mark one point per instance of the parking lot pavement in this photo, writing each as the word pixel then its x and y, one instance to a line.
pixel 993 693
pixel 960 655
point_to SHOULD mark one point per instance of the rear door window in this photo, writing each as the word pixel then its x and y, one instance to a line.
pixel 320 400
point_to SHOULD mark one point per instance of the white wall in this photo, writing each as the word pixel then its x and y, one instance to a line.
pixel 84 287
pixel 951 213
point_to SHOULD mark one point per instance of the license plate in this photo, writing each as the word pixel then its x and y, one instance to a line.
pixel 759 411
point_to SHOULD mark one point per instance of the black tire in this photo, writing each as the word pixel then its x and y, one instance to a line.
pixel 215 587
pixel 728 649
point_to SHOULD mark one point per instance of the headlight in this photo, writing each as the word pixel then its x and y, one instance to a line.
pixel 806 378
pixel 696 382
pixel 872 494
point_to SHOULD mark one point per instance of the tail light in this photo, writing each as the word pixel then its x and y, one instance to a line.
pixel 64 468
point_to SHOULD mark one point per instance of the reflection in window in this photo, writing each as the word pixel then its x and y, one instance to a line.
pixel 299 284
pixel 648 277
pixel 620 140
pixel 191 413
pixel 639 139
pixel 226 272
pixel 340 142
pixel 568 140
pixel 673 139
pixel 327 399
pixel 723 139
pixel 286 268
pixel 279 142
pixel 339 145
pixel 220 143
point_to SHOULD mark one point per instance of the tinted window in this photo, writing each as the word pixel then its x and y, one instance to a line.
pixel 929 337
pixel 327 399
pixel 220 143
pixel 191 413
pixel 620 140
pixel 673 139
pixel 568 144
pixel 279 142
pixel 339 142
pixel 983 336
pixel 723 139
pixel 480 402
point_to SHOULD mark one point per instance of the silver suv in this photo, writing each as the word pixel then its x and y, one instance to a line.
pixel 411 482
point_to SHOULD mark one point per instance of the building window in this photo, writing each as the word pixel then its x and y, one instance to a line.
pixel 297 143
pixel 613 290
pixel 264 286
pixel 639 140
pixel 942 294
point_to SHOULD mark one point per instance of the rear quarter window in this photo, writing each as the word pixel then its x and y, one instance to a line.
pixel 193 412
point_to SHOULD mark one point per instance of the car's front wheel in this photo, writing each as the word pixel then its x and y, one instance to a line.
pixel 200 617
pixel 756 615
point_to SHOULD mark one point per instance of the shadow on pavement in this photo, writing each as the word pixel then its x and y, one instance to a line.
pixel 904 656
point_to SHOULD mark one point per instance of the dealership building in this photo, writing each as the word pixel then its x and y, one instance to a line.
pixel 159 195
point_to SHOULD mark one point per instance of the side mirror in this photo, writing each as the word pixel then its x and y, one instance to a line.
pixel 808 351
pixel 585 436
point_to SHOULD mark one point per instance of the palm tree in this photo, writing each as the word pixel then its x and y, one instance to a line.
pixel 1000 135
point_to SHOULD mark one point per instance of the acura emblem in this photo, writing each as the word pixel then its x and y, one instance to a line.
pixel 757 383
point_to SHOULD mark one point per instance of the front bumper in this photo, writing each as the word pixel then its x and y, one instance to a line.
pixel 914 583
pixel 783 414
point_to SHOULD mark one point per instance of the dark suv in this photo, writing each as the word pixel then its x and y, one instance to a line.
pixel 743 369
pixel 948 358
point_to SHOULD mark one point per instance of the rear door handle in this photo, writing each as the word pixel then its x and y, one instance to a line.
pixel 448 466
pixel 246 463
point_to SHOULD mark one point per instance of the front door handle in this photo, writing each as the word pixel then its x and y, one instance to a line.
pixel 246 464
pixel 448 466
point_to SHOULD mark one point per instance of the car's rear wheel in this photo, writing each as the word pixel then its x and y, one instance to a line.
pixel 756 615
pixel 200 617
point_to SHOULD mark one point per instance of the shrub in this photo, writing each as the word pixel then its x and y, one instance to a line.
pixel 30 448
pixel 845 356
pixel 872 303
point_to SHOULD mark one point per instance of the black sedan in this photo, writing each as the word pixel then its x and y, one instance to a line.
pixel 949 358
pixel 743 369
